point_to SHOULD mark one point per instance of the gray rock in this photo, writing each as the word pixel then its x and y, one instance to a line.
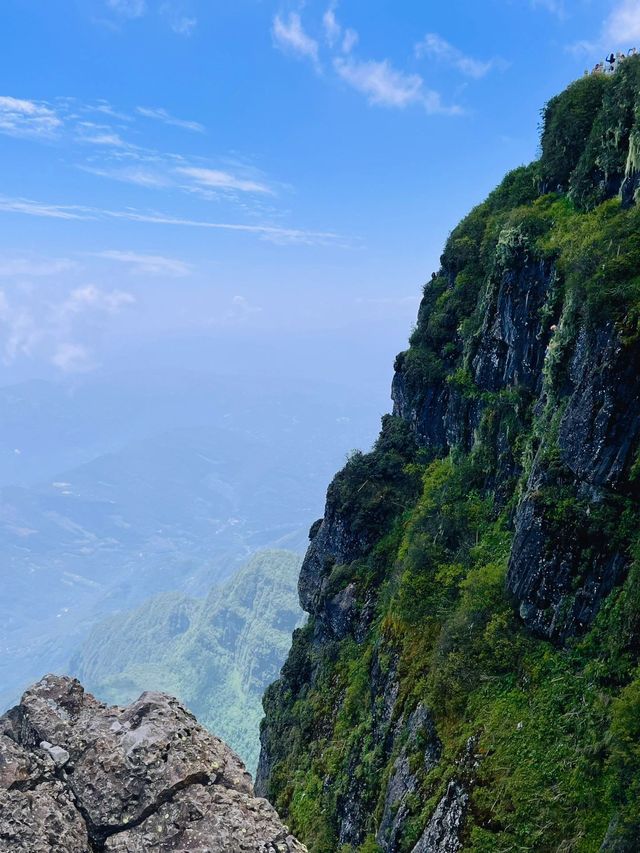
pixel 559 582
pixel 137 778
pixel 340 612
pixel 420 731
pixel 513 342
pixel 332 544
pixel 42 820
pixel 442 834
pixel 19 768
pixel 59 755
pixel 600 428
pixel 202 820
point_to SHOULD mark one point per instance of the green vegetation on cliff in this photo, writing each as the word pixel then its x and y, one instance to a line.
pixel 497 582
pixel 217 655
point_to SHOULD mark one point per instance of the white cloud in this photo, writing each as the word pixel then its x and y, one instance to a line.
pixel 437 48
pixel 181 23
pixel 148 264
pixel 622 27
pixel 272 233
pixel 219 180
pixel 334 32
pixel 36 208
pixel 105 108
pixel 92 298
pixel 34 268
pixel 27 118
pixel 184 26
pixel 241 308
pixel 332 28
pixel 379 81
pixel 275 234
pixel 33 326
pixel 162 115
pixel 290 35
pixel 350 40
pixel 385 86
pixel 70 357
pixel 130 175
pixel 18 332
pixel 105 139
pixel 556 7
pixel 128 8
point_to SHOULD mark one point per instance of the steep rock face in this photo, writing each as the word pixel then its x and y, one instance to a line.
pixel 600 427
pixel 513 339
pixel 402 783
pixel 561 580
pixel 78 775
pixel 333 543
pixel 422 707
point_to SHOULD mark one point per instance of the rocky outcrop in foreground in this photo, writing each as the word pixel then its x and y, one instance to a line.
pixel 77 775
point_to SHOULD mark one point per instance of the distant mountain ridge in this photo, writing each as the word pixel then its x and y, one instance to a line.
pixel 113 489
pixel 216 654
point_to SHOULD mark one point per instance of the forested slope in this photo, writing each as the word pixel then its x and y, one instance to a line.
pixel 216 654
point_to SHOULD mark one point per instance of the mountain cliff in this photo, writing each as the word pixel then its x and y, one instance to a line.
pixel 216 654
pixel 78 776
pixel 468 677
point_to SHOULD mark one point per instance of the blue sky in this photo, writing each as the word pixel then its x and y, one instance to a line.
pixel 276 178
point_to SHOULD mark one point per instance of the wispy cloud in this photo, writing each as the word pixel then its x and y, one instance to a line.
pixel 556 7
pixel 179 19
pixel 56 328
pixel 71 357
pixel 95 134
pixel 623 24
pixel 158 172
pixel 184 26
pixel 147 264
pixel 174 12
pixel 219 180
pixel 128 8
pixel 160 114
pixel 332 28
pixel 435 47
pixel 273 233
pixel 621 28
pixel 93 298
pixel 105 108
pixel 385 86
pixel 21 267
pixel 242 308
pixel 349 40
pixel 35 208
pixel 334 32
pixel 27 118
pixel 137 175
pixel 378 80
pixel 290 35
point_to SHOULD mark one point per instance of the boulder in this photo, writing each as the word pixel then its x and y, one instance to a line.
pixel 78 775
